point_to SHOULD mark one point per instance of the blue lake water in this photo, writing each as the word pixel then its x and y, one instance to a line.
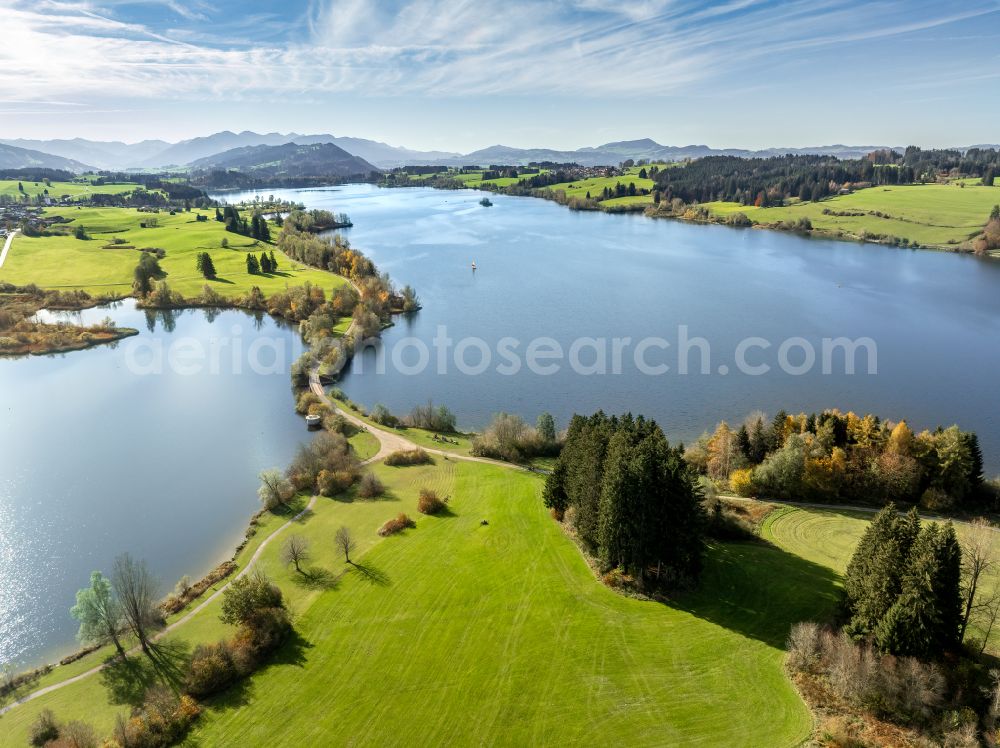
pixel 100 456
pixel 105 451
pixel 546 271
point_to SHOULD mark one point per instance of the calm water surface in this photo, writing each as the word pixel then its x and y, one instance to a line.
pixel 96 459
pixel 544 270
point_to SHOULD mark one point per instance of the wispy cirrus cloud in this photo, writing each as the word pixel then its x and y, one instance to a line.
pixel 60 49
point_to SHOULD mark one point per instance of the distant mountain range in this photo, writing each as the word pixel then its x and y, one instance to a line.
pixel 112 155
pixel 12 157
pixel 155 154
pixel 287 160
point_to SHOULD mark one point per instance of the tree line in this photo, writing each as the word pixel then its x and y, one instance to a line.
pixel 772 181
pixel 838 457
pixel 631 499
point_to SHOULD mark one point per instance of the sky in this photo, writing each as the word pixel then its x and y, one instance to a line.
pixel 459 75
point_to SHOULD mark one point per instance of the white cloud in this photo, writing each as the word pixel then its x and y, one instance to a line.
pixel 59 50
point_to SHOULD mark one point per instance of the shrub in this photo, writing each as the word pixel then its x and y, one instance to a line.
pixel 335 423
pixel 397 524
pixel 211 670
pixel 936 500
pixel 327 452
pixel 725 524
pixel 381 415
pixel 162 720
pixel 429 502
pixel 77 734
pixel 803 646
pixel 432 419
pixel 43 729
pixel 306 400
pixel 333 482
pixel 508 438
pixel 901 688
pixel 370 486
pixel 245 596
pixel 404 457
pixel 741 482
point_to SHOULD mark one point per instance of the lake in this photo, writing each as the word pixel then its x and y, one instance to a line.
pixel 546 271
pixel 99 456
pixel 103 452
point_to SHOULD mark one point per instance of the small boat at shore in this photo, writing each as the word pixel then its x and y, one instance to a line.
pixel 313 422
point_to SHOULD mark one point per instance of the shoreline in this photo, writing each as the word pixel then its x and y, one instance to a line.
pixel 647 211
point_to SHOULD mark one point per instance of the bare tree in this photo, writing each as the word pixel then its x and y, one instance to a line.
pixel 136 592
pixel 295 551
pixel 978 561
pixel 345 542
pixel 275 490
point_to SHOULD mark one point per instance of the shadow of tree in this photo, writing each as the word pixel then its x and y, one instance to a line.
pixel 760 590
pixel 316 577
pixel 372 574
pixel 127 680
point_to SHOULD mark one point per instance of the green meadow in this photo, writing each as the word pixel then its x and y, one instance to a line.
pixel 458 631
pixel 99 266
pixel 8 187
pixel 595 187
pixel 461 632
pixel 938 215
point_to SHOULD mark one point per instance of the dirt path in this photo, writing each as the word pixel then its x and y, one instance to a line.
pixel 390 441
pixel 6 246
pixel 179 622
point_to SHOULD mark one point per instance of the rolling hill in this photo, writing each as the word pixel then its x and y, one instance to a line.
pixel 288 160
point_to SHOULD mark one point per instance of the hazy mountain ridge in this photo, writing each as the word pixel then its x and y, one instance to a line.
pixel 111 154
pixel 154 154
pixel 13 157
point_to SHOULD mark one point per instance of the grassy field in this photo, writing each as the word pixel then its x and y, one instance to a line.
pixel 57 190
pixel 99 267
pixel 939 215
pixel 828 537
pixel 457 632
pixel 595 186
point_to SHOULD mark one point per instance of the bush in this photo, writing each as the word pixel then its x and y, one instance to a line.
pixel 803 646
pixel 162 720
pixel 397 524
pixel 245 596
pixel 405 457
pixel 333 482
pixel 76 734
pixel 903 689
pixel 328 452
pixel 381 415
pixel 429 502
pixel 212 669
pixel 936 500
pixel 428 417
pixel 507 438
pixel 306 400
pixel 43 729
pixel 724 524
pixel 741 482
pixel 370 486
